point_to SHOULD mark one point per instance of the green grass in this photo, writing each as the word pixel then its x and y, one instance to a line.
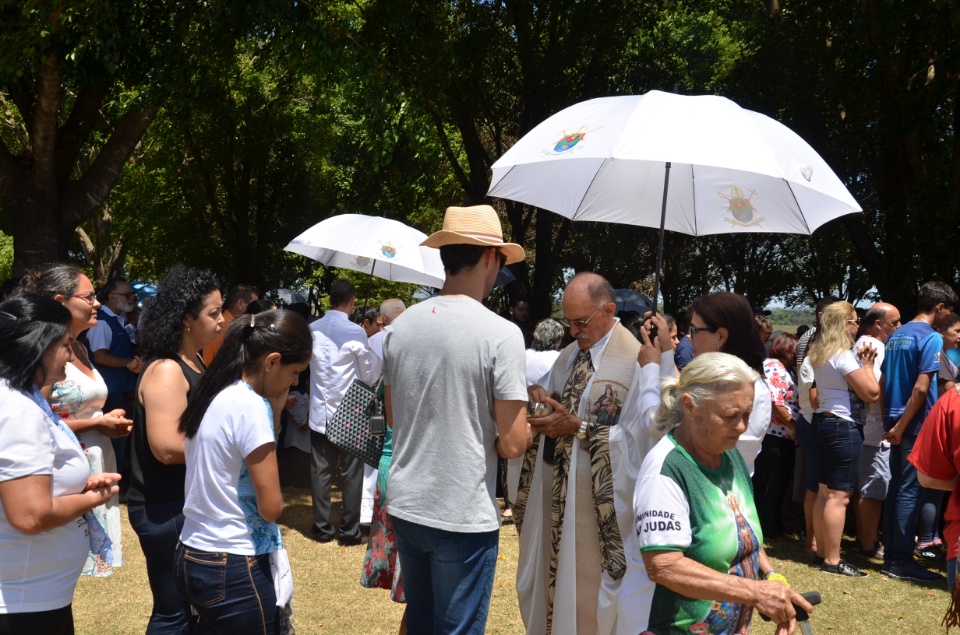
pixel 329 599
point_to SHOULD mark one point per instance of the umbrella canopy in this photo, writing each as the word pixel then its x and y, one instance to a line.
pixel 630 300
pixel 733 170
pixel 288 296
pixel 144 291
pixel 382 247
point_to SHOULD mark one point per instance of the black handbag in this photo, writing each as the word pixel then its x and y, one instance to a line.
pixel 349 429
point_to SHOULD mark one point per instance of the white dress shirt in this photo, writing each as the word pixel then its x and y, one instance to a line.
pixel 340 355
pixel 376 342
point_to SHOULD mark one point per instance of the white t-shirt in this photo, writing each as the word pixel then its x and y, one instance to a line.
pixel 220 512
pixel 39 572
pixel 834 393
pixel 873 428
pixel 757 425
pixel 539 364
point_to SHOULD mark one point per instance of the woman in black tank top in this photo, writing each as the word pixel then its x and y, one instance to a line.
pixel 183 318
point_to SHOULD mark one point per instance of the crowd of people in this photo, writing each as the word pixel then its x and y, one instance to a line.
pixel 643 459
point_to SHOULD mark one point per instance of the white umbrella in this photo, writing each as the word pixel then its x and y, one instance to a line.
pixel 733 170
pixel 382 247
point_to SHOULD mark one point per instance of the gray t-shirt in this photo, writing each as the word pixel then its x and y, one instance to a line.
pixel 446 360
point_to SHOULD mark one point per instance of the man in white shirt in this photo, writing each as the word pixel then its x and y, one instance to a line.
pixel 389 311
pixel 340 355
pixel 876 327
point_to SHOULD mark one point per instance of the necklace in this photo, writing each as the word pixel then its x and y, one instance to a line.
pixel 80 351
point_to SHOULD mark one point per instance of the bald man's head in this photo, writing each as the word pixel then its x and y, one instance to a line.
pixel 390 309
pixel 881 321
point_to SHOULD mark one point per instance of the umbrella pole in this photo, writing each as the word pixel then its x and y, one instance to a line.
pixel 369 284
pixel 663 220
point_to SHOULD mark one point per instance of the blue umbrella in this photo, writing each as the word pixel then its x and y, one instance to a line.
pixel 630 300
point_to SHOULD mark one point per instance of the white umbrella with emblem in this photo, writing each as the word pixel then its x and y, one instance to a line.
pixel 382 247
pixel 692 164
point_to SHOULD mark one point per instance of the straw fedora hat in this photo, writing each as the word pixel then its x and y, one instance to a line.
pixel 477 225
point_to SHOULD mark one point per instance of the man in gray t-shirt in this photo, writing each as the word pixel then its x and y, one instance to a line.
pixel 456 398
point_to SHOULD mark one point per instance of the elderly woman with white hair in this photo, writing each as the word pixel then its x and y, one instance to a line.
pixel 697 564
pixel 544 349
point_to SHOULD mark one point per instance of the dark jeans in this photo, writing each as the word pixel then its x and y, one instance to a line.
pixel 773 468
pixel 840 446
pixel 233 594
pixel 447 577
pixel 323 462
pixel 811 455
pixel 55 622
pixel 121 445
pixel 158 527
pixel 900 509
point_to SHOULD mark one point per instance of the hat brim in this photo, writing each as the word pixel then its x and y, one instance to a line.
pixel 512 251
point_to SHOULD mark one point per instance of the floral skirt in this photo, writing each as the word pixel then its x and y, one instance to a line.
pixel 381 565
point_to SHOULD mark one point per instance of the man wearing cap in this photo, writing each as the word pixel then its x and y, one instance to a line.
pixel 574 504
pixel 456 399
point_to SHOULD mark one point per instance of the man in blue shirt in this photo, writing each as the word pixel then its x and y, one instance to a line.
pixel 909 390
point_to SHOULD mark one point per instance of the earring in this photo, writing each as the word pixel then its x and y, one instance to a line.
pixel 187 330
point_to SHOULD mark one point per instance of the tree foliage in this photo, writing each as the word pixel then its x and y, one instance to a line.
pixel 267 117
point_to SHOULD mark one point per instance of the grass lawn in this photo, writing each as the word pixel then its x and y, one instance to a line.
pixel 329 599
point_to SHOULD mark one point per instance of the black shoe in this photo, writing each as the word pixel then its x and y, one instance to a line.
pixel 322 538
pixel 349 541
pixel 929 552
pixel 843 568
pixel 817 561
pixel 910 570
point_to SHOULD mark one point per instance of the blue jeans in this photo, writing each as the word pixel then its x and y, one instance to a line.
pixel 900 508
pixel 158 527
pixel 951 573
pixel 232 593
pixel 447 577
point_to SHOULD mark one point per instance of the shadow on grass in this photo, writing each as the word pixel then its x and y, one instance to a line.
pixel 294 467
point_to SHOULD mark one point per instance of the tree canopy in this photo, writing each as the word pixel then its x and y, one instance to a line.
pixel 138 134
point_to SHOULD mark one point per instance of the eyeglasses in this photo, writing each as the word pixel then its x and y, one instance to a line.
pixel 128 294
pixel 503 258
pixel 89 298
pixel 580 324
pixel 693 330
pixel 854 321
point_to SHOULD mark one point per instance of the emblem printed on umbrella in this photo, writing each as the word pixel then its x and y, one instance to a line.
pixel 363 261
pixel 388 250
pixel 568 141
pixel 741 208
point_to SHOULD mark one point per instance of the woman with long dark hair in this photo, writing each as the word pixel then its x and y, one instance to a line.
pixel 46 489
pixel 719 322
pixel 723 322
pixel 183 318
pixel 223 561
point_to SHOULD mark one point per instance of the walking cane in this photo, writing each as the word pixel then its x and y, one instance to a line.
pixel 803 619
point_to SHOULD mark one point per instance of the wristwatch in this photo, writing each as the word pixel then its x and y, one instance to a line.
pixel 582 432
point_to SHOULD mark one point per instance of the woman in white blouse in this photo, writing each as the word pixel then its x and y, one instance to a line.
pixel 46 488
